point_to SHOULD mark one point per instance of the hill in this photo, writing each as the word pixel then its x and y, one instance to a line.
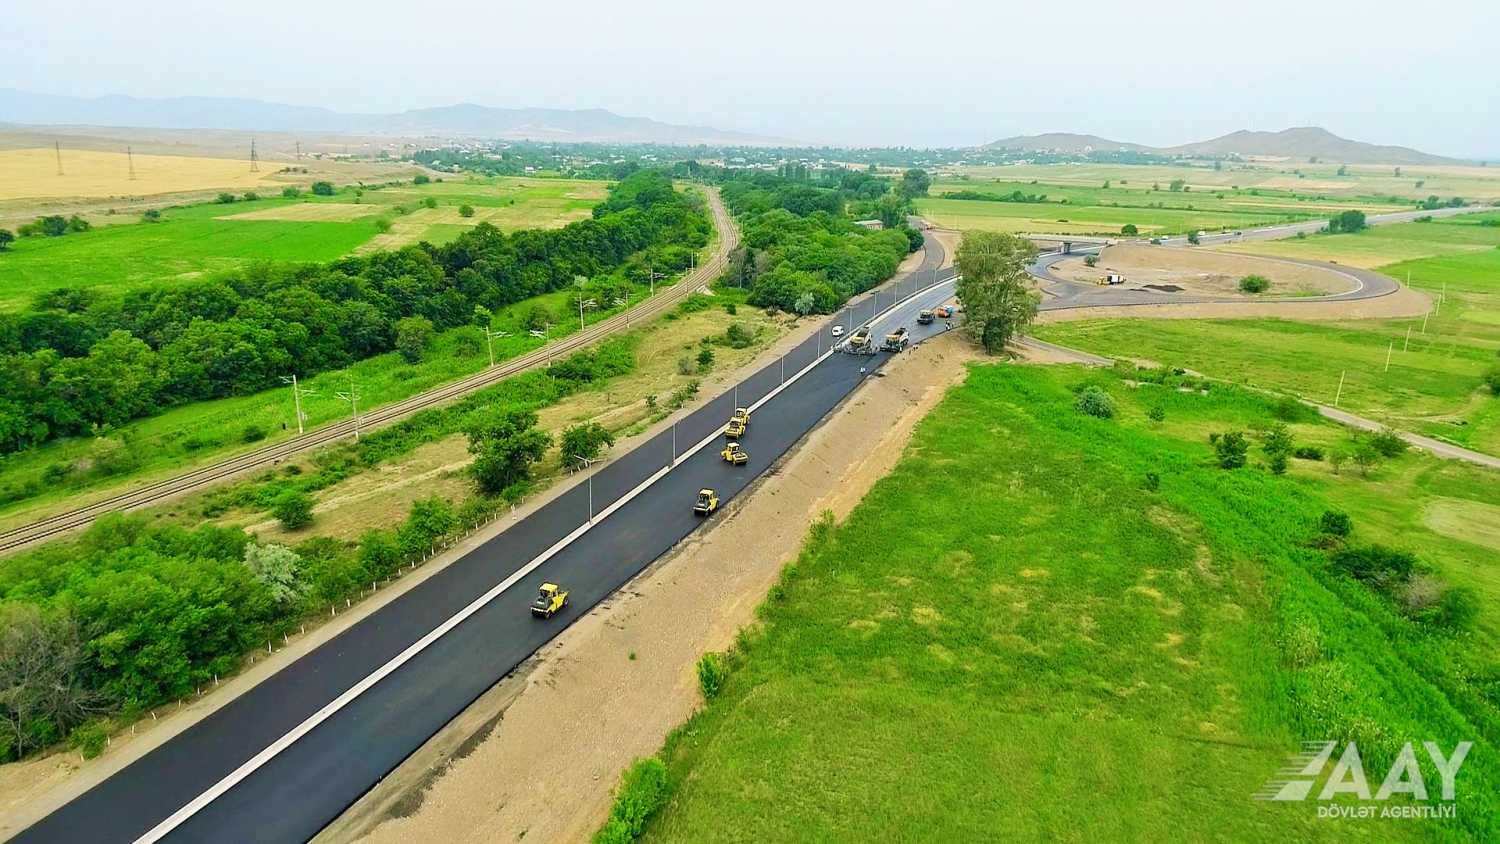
pixel 1063 142
pixel 462 120
pixel 1301 142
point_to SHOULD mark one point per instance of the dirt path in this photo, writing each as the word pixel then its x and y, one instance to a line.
pixel 1404 303
pixel 540 754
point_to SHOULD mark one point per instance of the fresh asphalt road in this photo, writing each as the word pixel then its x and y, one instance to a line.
pixel 301 789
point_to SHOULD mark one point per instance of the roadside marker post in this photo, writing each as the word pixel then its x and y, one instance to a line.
pixel 1340 393
pixel 1406 343
pixel 1388 350
pixel 1424 322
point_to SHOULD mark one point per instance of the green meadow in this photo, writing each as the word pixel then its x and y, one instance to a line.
pixel 1045 625
pixel 197 240
pixel 1434 383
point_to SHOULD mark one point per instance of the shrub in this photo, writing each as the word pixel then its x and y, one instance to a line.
pixel 294 509
pixel 465 210
pixel 730 308
pixel 1376 565
pixel 226 198
pixel 413 336
pixel 1388 443
pixel 1492 380
pixel 713 670
pixel 705 359
pixel 738 335
pixel 1094 401
pixel 151 215
pixel 291 192
pixel 686 366
pixel 1152 482
pixel 430 202
pixel 1255 284
pixel 643 790
pixel 1157 413
pixel 1335 523
pixel 420 179
pixel 584 442
pixel 1091 261
pixel 1307 452
pixel 322 188
pixel 251 196
pixel 1129 228
pixel 382 225
pixel 1230 449
pixel 91 738
pixel 253 434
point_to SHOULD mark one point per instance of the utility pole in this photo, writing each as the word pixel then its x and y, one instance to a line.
pixel 489 336
pixel 299 150
pixel 57 148
pixel 652 275
pixel 254 159
pixel 130 162
pixel 352 397
pixel 297 393
pixel 585 303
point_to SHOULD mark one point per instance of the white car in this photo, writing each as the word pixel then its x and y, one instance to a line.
pixel 838 331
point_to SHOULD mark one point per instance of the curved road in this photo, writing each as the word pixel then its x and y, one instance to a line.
pixel 262 458
pixel 289 755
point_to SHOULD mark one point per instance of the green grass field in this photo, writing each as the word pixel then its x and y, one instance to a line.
pixel 1012 638
pixel 1433 385
pixel 1073 208
pixel 197 240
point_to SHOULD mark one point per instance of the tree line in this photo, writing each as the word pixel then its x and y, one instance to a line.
pixel 79 360
pixel 801 251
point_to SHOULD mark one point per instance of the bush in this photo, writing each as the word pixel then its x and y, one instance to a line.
pixel 1492 380
pixel 91 738
pixel 1335 523
pixel 713 670
pixel 643 790
pixel 322 188
pixel 1094 401
pixel 1230 449
pixel 1388 443
pixel 1376 565
pixel 430 202
pixel 705 359
pixel 465 210
pixel 151 215
pixel 686 366
pixel 1091 261
pixel 584 442
pixel 382 225
pixel 730 308
pixel 1129 228
pixel 739 336
pixel 1157 413
pixel 294 509
pixel 1152 482
pixel 253 434
pixel 420 179
pixel 251 196
pixel 1255 284
pixel 1307 452
pixel 226 198
pixel 413 336
pixel 291 192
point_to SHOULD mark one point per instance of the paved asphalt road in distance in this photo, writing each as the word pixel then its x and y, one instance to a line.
pixel 301 789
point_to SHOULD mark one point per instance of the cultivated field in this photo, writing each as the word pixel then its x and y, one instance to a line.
pixel 194 240
pixel 1083 657
pixel 1433 385
pixel 32 174
pixel 1302 177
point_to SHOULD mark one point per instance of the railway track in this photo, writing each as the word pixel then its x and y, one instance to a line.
pixel 197 479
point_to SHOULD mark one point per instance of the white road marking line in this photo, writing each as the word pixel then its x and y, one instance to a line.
pixel 250 766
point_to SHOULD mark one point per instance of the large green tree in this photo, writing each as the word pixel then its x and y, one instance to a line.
pixel 504 446
pixel 994 287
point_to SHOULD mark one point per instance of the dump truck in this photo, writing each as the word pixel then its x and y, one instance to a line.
pixel 859 343
pixel 896 341
pixel 735 455
pixel 550 599
pixel 707 503
pixel 944 311
pixel 739 423
pixel 924 317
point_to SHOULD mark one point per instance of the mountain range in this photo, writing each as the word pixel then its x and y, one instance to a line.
pixel 1303 142
pixel 465 120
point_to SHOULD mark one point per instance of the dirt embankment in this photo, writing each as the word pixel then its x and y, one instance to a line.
pixel 1202 272
pixel 1402 303
pixel 540 754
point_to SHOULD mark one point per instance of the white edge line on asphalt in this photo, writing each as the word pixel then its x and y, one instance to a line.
pixel 251 765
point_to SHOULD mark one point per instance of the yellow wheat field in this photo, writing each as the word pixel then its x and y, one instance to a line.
pixel 32 174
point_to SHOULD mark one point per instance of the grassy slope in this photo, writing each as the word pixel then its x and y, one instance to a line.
pixel 1010 638
pixel 1430 386
pixel 193 240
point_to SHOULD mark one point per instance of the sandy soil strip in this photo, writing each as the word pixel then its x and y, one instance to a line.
pixel 540 754
pixel 1404 303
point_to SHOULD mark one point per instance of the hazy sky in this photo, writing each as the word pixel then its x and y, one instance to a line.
pixel 945 72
